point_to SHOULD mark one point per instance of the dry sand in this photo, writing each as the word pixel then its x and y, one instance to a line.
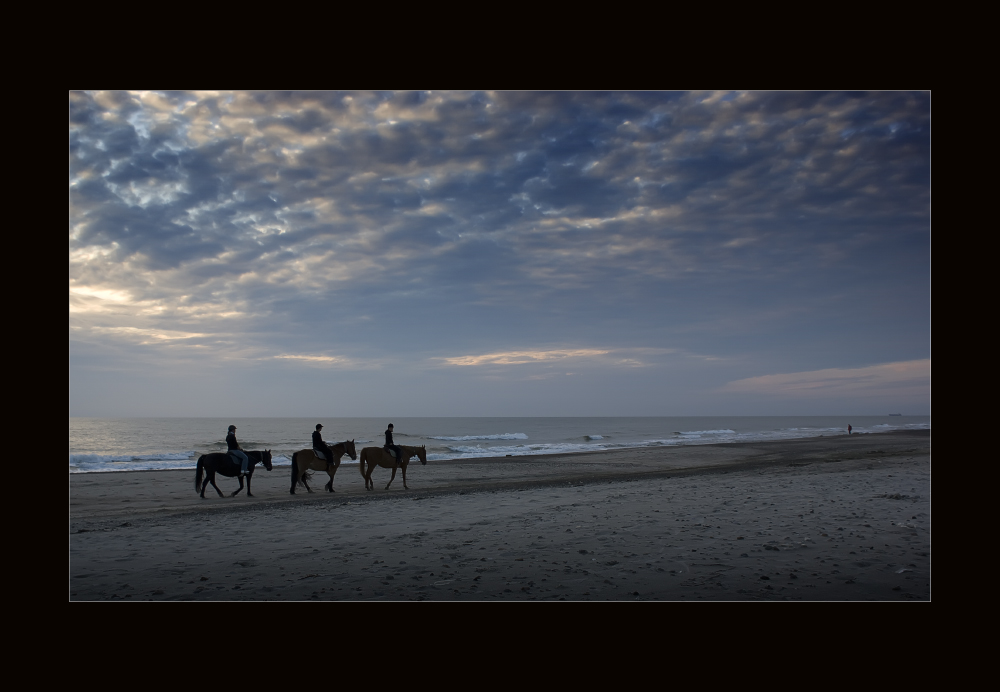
pixel 832 518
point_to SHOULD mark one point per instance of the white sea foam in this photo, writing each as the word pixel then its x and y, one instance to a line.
pixel 89 463
pixel 479 451
pixel 167 461
pixel 467 438
pixel 83 459
pixel 685 438
pixel 699 433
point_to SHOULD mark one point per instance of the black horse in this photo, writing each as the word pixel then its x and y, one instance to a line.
pixel 221 462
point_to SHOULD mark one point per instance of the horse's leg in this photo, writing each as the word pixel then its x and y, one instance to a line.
pixel 249 476
pixel 236 492
pixel 211 477
pixel 332 470
pixel 395 466
pixel 404 476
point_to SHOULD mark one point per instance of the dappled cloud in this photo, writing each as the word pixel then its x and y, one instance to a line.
pixel 286 227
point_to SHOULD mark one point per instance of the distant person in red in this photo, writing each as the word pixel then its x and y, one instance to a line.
pixel 848 428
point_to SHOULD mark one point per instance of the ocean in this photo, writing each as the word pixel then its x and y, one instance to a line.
pixel 136 444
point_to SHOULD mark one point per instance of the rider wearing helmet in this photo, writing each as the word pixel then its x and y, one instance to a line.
pixel 320 445
pixel 237 451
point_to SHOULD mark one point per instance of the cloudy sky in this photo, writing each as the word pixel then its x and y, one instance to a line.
pixel 499 253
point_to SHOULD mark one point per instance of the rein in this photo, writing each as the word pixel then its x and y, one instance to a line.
pixel 258 461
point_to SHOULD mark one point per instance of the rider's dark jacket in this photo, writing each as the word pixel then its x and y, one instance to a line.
pixel 231 441
pixel 389 444
pixel 322 446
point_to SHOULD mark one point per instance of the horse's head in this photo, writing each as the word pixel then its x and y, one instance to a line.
pixel 266 458
pixel 422 454
pixel 349 448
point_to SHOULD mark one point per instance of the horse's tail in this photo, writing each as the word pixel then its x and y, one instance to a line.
pixel 198 474
pixel 295 471
pixel 362 460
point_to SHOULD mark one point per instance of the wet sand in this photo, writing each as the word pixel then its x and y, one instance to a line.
pixel 832 518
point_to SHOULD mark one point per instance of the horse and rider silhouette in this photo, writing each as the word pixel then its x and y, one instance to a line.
pixel 305 460
pixel 225 464
pixel 377 456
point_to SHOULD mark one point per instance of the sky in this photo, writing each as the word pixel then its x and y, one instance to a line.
pixel 499 253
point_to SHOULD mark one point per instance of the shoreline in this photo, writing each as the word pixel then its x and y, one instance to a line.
pixel 798 488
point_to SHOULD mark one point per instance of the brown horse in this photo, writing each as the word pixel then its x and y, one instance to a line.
pixel 376 456
pixel 306 459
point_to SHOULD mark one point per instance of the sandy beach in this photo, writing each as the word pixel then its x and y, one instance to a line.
pixel 841 518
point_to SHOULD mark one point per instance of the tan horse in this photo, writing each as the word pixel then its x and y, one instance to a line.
pixel 376 456
pixel 305 460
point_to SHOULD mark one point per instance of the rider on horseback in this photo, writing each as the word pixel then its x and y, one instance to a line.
pixel 236 451
pixel 389 444
pixel 320 445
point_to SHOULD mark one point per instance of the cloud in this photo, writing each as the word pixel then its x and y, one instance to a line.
pixel 521 357
pixel 402 226
pixel 324 360
pixel 149 336
pixel 627 357
pixel 907 377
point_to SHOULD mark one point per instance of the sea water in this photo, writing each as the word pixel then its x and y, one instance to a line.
pixel 133 444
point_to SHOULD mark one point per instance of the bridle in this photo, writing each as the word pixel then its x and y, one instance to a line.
pixel 344 446
pixel 261 452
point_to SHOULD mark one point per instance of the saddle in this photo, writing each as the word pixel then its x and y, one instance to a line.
pixel 319 454
pixel 391 452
